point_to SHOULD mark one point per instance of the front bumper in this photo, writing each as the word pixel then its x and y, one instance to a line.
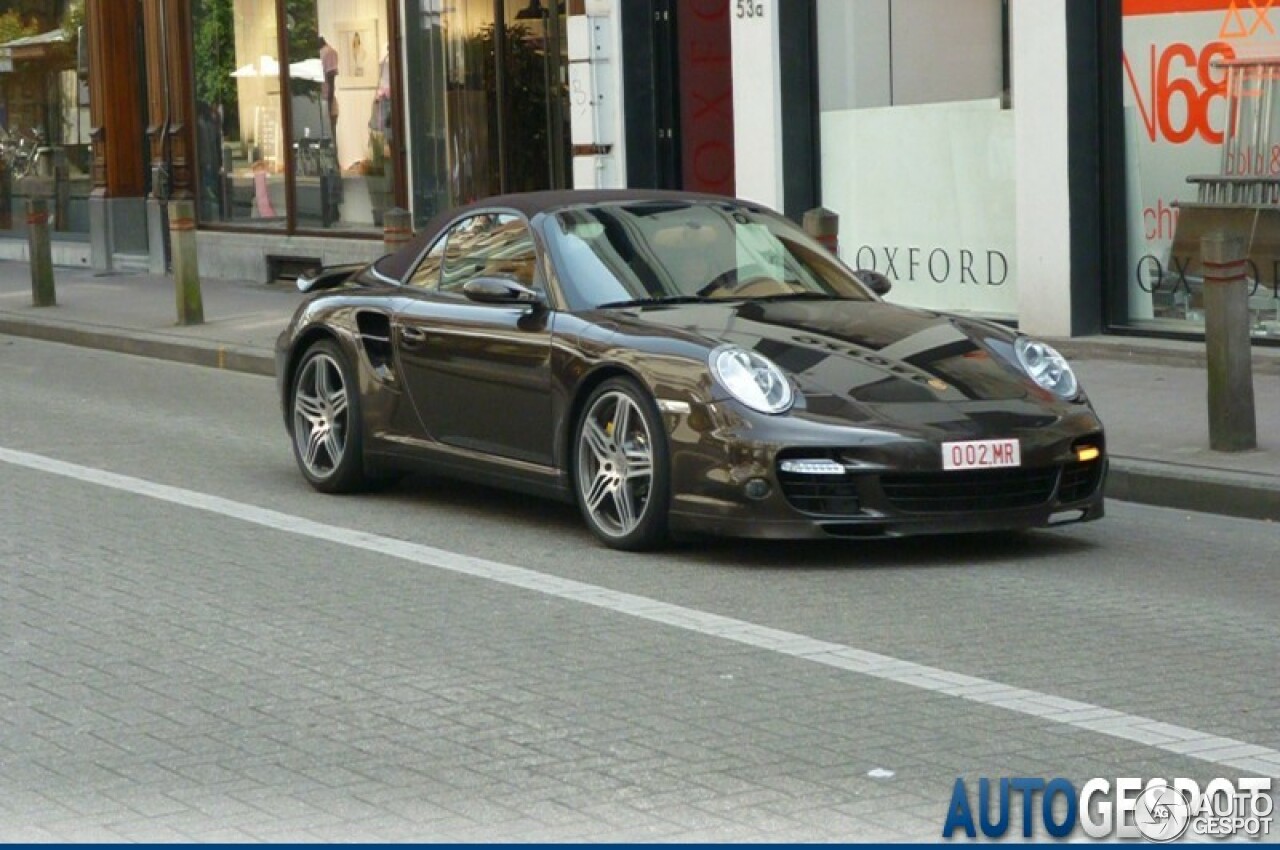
pixel 727 480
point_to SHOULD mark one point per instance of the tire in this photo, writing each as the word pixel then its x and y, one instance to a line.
pixel 325 424
pixel 623 487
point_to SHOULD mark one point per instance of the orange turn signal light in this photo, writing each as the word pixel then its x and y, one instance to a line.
pixel 1084 454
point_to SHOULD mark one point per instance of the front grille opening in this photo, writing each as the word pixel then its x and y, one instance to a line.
pixel 1080 480
pixel 821 495
pixel 966 491
pixel 941 492
pixel 818 494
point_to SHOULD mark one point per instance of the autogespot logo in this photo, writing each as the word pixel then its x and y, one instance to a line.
pixel 1157 810
pixel 1162 812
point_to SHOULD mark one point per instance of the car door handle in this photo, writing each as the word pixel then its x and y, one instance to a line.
pixel 412 337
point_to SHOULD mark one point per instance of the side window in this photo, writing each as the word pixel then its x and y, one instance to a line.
pixel 427 274
pixel 489 245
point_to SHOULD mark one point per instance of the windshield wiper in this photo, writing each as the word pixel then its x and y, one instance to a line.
pixel 658 299
pixel 704 299
pixel 799 296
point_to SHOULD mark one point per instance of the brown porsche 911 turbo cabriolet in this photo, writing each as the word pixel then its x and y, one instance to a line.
pixel 679 363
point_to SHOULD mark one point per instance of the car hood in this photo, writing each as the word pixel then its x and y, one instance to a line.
pixel 868 362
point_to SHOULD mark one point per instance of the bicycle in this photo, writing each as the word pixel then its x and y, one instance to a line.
pixel 23 151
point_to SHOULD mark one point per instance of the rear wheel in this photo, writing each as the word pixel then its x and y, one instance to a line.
pixel 327 437
pixel 621 467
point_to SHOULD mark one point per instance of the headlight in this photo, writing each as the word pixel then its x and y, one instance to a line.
pixel 1047 367
pixel 752 379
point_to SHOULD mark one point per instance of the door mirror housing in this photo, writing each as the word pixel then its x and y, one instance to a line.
pixel 500 290
pixel 877 282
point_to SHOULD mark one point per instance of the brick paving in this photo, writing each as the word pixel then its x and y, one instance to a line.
pixel 168 674
pixel 225 683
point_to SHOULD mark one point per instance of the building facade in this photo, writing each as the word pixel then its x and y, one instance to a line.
pixel 295 124
pixel 1027 162
pixel 1052 164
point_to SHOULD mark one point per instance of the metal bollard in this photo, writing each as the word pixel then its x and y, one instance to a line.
pixel 61 189
pixel 397 229
pixel 41 254
pixel 1232 420
pixel 186 271
pixel 824 225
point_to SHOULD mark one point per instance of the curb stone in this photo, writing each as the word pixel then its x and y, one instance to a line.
pixel 1156 352
pixel 193 352
pixel 1194 488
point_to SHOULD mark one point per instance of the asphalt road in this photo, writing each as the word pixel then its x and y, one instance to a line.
pixel 196 646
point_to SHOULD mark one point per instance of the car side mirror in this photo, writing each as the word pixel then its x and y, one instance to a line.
pixel 500 290
pixel 877 282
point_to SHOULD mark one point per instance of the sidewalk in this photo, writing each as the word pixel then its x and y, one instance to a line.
pixel 1150 393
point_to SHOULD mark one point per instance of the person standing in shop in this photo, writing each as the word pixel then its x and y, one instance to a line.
pixel 329 89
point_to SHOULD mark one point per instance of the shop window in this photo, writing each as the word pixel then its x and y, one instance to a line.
pixel 1202 153
pixel 308 138
pixel 44 130
pixel 340 113
pixel 917 146
pixel 240 143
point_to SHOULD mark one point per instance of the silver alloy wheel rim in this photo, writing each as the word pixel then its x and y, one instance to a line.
pixel 320 416
pixel 615 464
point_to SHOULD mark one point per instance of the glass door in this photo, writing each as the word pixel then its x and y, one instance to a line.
pixel 339 114
pixel 472 94
pixel 535 112
pixel 500 69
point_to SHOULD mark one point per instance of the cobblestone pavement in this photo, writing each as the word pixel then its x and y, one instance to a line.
pixel 172 672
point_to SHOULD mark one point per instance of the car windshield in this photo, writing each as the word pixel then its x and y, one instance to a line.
pixel 679 251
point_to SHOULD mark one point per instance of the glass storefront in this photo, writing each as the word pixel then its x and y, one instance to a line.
pixel 302 143
pixel 44 132
pixel 481 126
pixel 296 112
pixel 917 147
pixel 1201 83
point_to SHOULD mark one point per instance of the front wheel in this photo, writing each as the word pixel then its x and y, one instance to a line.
pixel 621 469
pixel 326 428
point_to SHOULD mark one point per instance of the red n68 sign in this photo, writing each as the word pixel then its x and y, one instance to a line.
pixel 1176 97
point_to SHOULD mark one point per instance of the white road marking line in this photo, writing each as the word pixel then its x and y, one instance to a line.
pixel 1177 740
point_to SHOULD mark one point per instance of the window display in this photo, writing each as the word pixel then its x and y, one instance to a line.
pixel 308 141
pixel 237 91
pixel 1202 153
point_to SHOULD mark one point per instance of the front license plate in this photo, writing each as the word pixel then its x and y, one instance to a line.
pixel 981 454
